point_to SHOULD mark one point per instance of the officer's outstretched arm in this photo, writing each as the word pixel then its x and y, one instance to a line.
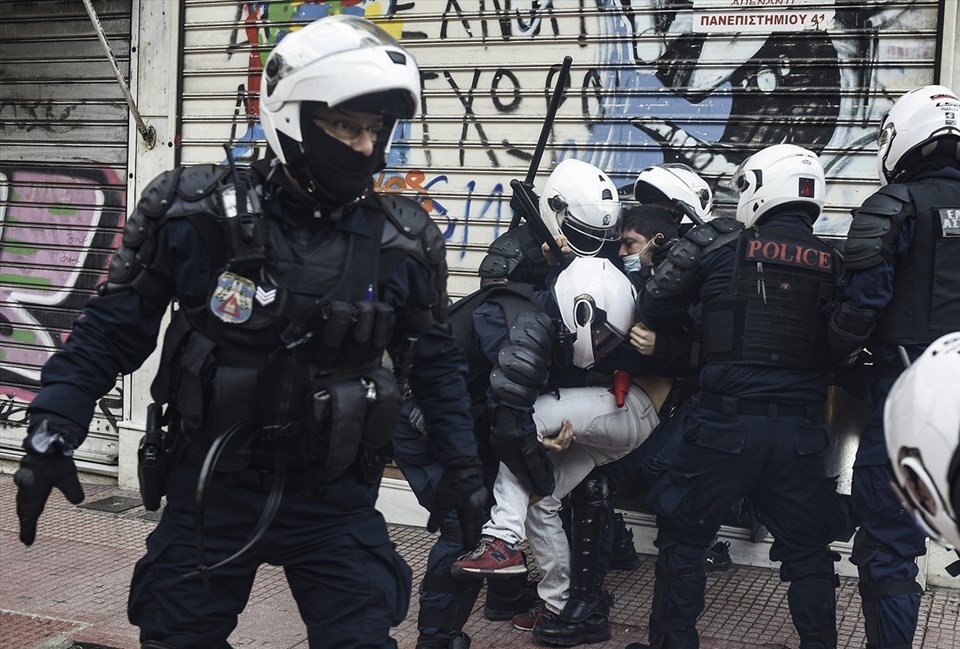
pixel 117 332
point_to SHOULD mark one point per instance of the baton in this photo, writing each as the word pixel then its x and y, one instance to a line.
pixel 532 214
pixel 548 119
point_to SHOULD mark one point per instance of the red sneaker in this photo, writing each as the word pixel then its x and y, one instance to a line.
pixel 492 558
pixel 536 616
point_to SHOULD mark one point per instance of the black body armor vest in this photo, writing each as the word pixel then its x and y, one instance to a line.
pixel 774 311
pixel 926 286
pixel 289 338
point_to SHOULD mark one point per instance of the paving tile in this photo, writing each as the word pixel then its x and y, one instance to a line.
pixel 72 586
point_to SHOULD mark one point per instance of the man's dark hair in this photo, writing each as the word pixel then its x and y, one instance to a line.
pixel 649 220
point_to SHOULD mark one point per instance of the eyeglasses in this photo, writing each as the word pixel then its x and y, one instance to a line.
pixel 349 131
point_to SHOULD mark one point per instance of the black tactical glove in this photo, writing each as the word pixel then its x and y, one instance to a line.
pixel 48 463
pixel 515 204
pixel 855 379
pixel 462 488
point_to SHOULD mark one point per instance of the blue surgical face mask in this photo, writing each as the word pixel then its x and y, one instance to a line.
pixel 631 263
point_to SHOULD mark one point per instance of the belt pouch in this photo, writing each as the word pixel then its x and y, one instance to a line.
pixel 384 413
pixel 341 421
pixel 233 404
pixel 383 325
pixel 366 314
pixel 337 319
pixel 193 384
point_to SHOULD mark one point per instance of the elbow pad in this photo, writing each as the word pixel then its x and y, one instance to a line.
pixel 875 227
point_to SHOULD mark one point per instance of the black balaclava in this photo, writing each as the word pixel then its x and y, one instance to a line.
pixel 330 170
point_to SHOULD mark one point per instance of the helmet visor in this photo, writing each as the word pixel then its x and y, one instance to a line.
pixel 586 241
pixel 605 340
pixel 921 495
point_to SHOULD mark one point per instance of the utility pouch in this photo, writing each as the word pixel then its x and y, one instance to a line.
pixel 337 318
pixel 340 409
pixel 233 403
pixel 152 461
pixel 383 410
pixel 383 324
pixel 193 388
pixel 371 462
pixel 363 328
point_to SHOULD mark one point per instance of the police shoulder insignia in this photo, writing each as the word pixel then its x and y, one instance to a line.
pixel 232 300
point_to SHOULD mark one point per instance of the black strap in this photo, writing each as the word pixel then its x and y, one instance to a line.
pixel 730 405
pixel 671 573
pixel 203 482
pixel 872 591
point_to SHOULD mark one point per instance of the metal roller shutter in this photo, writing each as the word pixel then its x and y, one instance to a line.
pixel 704 82
pixel 63 175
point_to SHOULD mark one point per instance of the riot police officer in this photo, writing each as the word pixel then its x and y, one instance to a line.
pixel 579 207
pixel 676 188
pixel 292 279
pixel 540 466
pixel 575 195
pixel 764 281
pixel 902 289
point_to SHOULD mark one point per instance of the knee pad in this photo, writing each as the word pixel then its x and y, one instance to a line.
pixel 665 618
pixel 592 491
pixel 865 549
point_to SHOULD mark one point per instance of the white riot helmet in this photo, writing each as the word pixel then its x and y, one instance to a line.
pixel 580 202
pixel 676 183
pixel 921 420
pixel 597 304
pixel 916 123
pixel 338 61
pixel 775 176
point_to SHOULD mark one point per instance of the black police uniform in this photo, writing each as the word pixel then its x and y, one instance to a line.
pixel 273 357
pixel 446 602
pixel 901 288
pixel 757 430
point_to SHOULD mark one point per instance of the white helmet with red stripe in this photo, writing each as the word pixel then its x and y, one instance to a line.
pixel 775 176
pixel 921 122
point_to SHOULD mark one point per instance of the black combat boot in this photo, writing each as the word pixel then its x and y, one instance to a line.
pixel 583 619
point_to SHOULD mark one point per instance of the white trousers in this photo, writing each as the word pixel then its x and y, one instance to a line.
pixel 603 433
